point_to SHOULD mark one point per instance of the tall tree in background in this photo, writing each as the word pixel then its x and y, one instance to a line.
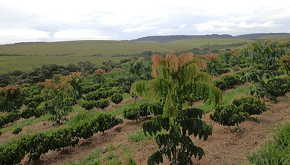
pixel 177 84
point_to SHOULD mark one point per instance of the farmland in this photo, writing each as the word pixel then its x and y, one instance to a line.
pixel 99 118
pixel 63 53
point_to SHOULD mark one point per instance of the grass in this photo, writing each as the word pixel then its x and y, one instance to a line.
pixel 235 93
pixel 91 159
pixel 227 97
pixel 139 136
pixel 276 151
pixel 27 63
pixel 111 155
pixel 64 53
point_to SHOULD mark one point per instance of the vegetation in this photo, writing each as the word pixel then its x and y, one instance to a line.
pixel 265 56
pixel 176 80
pixel 237 112
pixel 40 143
pixel 117 98
pixel 276 151
pixel 171 86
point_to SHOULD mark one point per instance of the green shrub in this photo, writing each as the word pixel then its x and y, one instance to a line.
pixel 16 131
pixel 88 105
pixel 251 105
pixel 102 103
pixel 117 98
pixel 228 115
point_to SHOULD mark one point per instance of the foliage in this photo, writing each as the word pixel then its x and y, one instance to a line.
pixel 102 103
pixel 237 112
pixel 189 122
pixel 285 64
pixel 228 115
pixel 177 82
pixel 250 105
pixel 88 104
pixel 11 98
pixel 29 112
pixel 276 151
pixel 74 79
pixel 40 143
pixel 227 82
pixel 117 98
pixel 57 106
pixel 16 131
pixel 9 118
pixel 136 110
pixel 264 56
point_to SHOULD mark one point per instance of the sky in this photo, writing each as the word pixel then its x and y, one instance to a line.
pixel 63 20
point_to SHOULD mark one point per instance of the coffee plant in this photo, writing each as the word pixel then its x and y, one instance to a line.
pixel 35 145
pixel 117 98
pixel 229 115
pixel 102 103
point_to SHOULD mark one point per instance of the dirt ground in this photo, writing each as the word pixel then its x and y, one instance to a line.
pixel 223 147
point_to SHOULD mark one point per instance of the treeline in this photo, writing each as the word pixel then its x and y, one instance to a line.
pixel 49 70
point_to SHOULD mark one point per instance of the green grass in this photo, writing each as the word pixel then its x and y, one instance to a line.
pixel 139 136
pixel 91 159
pixel 275 152
pixel 227 97
pixel 27 63
pixel 126 96
pixel 111 155
pixel 235 93
pixel 63 53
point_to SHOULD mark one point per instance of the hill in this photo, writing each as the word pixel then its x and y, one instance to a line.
pixel 170 38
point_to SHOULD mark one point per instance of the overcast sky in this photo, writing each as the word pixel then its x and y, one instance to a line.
pixel 60 20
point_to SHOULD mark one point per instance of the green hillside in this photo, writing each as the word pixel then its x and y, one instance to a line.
pixel 26 56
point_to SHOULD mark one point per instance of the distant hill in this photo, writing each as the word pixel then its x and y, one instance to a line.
pixel 169 38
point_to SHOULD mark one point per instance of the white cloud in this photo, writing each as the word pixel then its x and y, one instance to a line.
pixel 12 35
pixel 138 29
pixel 182 26
pixel 128 19
pixel 166 31
pixel 233 28
pixel 80 34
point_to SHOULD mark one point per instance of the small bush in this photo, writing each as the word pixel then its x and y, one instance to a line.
pixel 228 115
pixel 88 105
pixel 117 98
pixel 102 103
pixel 16 131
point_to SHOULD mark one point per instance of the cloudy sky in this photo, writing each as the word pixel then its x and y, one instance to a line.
pixel 60 20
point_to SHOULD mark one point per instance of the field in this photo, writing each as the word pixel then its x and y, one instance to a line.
pixel 63 53
pixel 100 118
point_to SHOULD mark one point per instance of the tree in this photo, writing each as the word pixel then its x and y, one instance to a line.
pixel 56 104
pixel 264 56
pixel 177 84
pixel 11 98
